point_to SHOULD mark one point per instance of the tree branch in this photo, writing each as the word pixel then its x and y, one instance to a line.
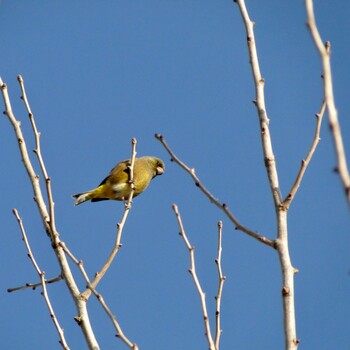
pixel 212 199
pixel 193 273
pixel 305 162
pixel 48 221
pixel 120 334
pixel 35 285
pixel 37 151
pixel 269 158
pixel 41 274
pixel 281 243
pixel 325 53
pixel 222 279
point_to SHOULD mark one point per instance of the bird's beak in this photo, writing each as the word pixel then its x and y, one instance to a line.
pixel 159 170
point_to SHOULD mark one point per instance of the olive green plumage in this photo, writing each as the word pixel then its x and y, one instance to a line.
pixel 116 185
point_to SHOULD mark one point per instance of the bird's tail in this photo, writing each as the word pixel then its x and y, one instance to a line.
pixel 83 197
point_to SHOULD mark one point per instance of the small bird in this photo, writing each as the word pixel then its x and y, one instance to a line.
pixel 116 185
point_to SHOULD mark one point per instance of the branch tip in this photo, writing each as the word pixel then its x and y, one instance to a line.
pixel 158 137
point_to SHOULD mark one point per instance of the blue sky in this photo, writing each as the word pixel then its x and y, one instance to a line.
pixel 98 74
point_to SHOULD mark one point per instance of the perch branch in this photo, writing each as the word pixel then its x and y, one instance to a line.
pixel 193 273
pixel 86 294
pixel 212 199
pixel 325 53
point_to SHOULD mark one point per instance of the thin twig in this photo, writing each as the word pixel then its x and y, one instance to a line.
pixel 193 273
pixel 37 151
pixel 86 294
pixel 43 283
pixel 112 317
pixel 305 162
pixel 120 334
pixel 35 285
pixel 222 279
pixel 222 206
pixel 325 53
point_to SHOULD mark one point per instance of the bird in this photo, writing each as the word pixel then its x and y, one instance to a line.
pixel 117 186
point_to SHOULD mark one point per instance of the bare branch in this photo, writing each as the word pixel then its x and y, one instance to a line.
pixel 222 279
pixel 49 226
pixel 325 53
pixel 43 283
pixel 38 197
pixel 305 162
pixel 120 334
pixel 193 273
pixel 281 243
pixel 222 206
pixel 269 158
pixel 86 294
pixel 37 151
pixel 35 285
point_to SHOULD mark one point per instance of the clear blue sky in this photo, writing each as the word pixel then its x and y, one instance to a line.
pixel 98 74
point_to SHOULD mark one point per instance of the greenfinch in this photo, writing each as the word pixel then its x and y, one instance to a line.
pixel 117 185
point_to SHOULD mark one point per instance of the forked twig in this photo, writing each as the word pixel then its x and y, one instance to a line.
pixel 193 273
pixel 43 282
pixel 117 245
pixel 325 53
pixel 120 334
pixel 222 206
